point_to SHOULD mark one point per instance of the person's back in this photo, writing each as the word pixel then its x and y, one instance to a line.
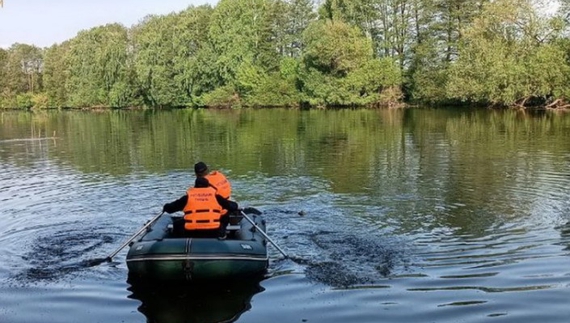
pixel 205 211
pixel 217 180
pixel 202 211
pixel 220 183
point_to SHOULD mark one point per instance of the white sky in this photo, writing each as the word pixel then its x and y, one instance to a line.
pixel 45 22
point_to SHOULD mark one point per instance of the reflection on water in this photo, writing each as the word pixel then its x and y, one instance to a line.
pixel 187 303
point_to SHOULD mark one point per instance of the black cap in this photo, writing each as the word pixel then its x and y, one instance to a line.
pixel 200 167
pixel 202 182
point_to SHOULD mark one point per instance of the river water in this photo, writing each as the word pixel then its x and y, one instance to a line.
pixel 417 215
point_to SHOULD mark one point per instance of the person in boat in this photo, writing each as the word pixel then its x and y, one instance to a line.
pixel 220 183
pixel 202 207
pixel 217 180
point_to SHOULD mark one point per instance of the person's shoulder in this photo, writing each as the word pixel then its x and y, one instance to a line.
pixel 216 173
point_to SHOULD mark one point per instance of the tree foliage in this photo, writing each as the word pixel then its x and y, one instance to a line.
pixel 56 74
pixel 504 59
pixel 241 34
pixel 295 52
pixel 98 69
pixel 21 73
pixel 339 68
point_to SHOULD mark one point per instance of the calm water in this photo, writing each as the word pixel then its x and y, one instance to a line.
pixel 389 216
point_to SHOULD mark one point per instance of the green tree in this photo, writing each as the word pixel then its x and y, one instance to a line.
pixel 242 35
pixel 338 67
pixel 509 57
pixel 55 74
pixel 99 68
pixel 22 74
pixel 172 57
pixel 364 14
pixel 3 78
pixel 438 30
pixel 24 68
pixel 193 49
pixel 154 55
pixel 389 24
pixel 297 16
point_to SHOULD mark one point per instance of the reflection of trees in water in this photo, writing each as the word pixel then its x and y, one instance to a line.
pixel 462 169
pixel 200 303
pixel 476 169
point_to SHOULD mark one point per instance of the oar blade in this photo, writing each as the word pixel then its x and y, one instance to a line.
pixel 96 261
pixel 251 210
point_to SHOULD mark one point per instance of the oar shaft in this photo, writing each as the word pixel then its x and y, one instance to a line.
pixel 264 234
pixel 134 236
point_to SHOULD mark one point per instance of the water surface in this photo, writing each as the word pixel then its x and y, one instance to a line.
pixel 389 216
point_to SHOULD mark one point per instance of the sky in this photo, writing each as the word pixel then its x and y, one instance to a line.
pixel 45 22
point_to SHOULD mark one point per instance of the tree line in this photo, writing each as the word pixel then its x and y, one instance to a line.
pixel 302 53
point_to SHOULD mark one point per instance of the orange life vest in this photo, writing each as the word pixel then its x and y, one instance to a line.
pixel 202 210
pixel 220 183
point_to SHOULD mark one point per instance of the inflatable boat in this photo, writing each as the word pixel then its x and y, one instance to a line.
pixel 160 254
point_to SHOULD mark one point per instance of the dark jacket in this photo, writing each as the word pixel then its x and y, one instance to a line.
pixel 179 204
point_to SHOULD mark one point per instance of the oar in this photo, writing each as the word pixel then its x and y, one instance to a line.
pixel 98 261
pixel 264 234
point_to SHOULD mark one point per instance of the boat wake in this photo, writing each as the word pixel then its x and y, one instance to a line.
pixel 347 260
pixel 58 255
